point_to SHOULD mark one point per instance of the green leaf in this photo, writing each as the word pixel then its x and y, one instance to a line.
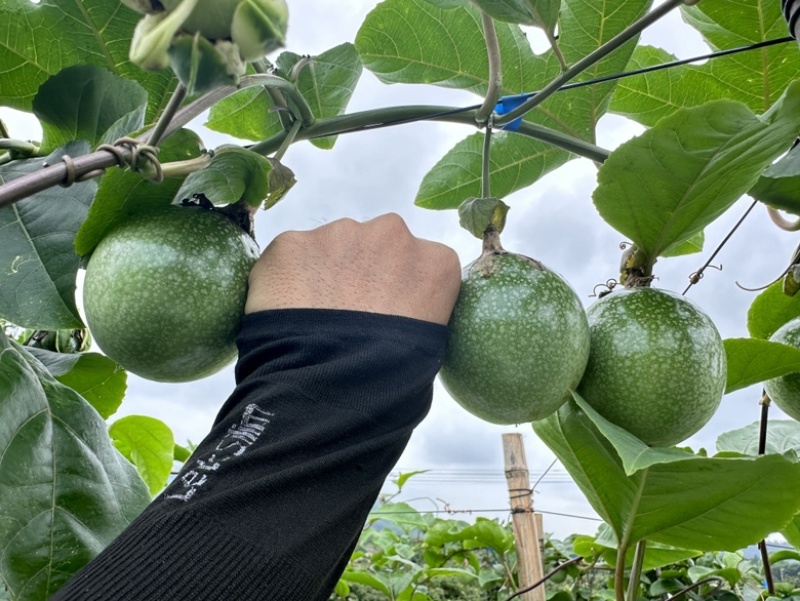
pixel 688 247
pixel 378 581
pixel 656 554
pixel 233 174
pixel 65 492
pixel 484 533
pixel 542 13
pixel 181 453
pixel 770 310
pixel 792 532
pixel 98 379
pixel 756 78
pixel 664 186
pixel 783 436
pixel 37 40
pixel 88 103
pixel 401 514
pixel 124 193
pixel 148 444
pixel 326 82
pixel 405 477
pixel 779 184
pixel 784 555
pixel 516 162
pixel 751 360
pixel 37 263
pixel 672 497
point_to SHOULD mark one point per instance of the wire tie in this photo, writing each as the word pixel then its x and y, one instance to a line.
pixel 508 104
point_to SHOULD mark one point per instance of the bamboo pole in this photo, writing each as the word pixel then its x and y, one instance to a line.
pixel 526 530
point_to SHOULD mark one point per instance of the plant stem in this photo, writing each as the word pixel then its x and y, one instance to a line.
pixel 486 191
pixel 636 570
pixel 406 114
pixel 495 70
pixel 619 574
pixel 288 140
pixel 278 101
pixel 762 448
pixel 589 60
pixel 172 107
pixel 184 168
pixel 549 34
pixel 18 146
pixel 546 577
pixel 53 175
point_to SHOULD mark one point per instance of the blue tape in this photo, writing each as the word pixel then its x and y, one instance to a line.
pixel 508 104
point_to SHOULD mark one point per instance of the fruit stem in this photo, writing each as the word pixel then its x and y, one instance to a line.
pixel 290 137
pixel 486 190
pixel 491 241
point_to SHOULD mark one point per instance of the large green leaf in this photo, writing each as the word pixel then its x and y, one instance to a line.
pixel 758 77
pixel 148 444
pixel 38 40
pixel 648 97
pixel 98 379
pixel 751 360
pixel 65 492
pixel 770 310
pixel 327 82
pixel 37 263
pixel 122 193
pixel 779 185
pixel 541 13
pixel 516 162
pixel 88 103
pixel 605 545
pixel 664 186
pixel 667 495
pixel 783 436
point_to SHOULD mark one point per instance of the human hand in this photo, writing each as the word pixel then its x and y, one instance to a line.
pixel 377 266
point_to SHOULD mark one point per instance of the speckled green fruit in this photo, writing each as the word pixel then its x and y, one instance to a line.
pixel 657 365
pixel 785 391
pixel 519 340
pixel 164 293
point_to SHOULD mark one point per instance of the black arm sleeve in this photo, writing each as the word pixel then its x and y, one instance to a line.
pixel 271 504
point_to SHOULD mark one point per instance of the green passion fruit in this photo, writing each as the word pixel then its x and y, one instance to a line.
pixel 519 340
pixel 657 365
pixel 785 391
pixel 164 292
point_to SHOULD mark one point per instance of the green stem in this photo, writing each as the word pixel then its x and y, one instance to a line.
pixel 405 114
pixel 591 59
pixel 278 101
pixel 163 122
pixel 184 168
pixel 550 38
pixel 495 70
pixel 18 146
pixel 636 570
pixel 619 574
pixel 287 141
pixel 31 183
pixel 486 191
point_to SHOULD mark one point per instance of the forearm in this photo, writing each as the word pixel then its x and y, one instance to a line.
pixel 273 500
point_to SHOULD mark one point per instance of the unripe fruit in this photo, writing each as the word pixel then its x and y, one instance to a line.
pixel 164 292
pixel 519 340
pixel 785 391
pixel 657 365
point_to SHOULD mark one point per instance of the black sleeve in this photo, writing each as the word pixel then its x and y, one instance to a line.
pixel 272 502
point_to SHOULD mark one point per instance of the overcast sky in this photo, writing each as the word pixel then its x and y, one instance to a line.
pixel 368 174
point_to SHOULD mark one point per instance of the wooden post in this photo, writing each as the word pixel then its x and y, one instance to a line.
pixel 526 530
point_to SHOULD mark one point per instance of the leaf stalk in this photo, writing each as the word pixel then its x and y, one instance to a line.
pixel 495 71
pixel 175 101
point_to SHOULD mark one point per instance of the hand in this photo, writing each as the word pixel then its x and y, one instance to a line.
pixel 376 266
